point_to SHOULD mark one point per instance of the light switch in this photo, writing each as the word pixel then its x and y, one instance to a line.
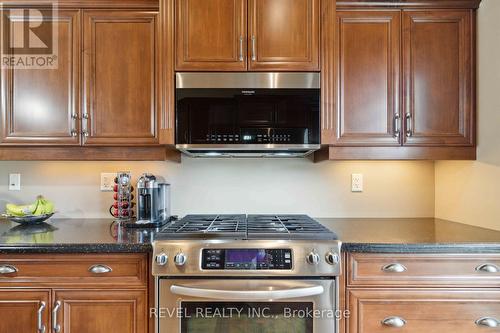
pixel 15 182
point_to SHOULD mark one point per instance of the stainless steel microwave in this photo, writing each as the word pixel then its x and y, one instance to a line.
pixel 247 114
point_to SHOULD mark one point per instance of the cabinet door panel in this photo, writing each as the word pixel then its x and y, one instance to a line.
pixel 368 83
pixel 430 311
pixel 41 106
pixel 102 311
pixel 120 79
pixel 284 35
pixel 19 310
pixel 438 71
pixel 211 35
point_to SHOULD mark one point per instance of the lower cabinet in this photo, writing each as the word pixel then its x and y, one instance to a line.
pixel 24 310
pixel 100 311
pixel 418 311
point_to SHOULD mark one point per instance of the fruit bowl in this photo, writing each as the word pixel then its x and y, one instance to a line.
pixel 28 219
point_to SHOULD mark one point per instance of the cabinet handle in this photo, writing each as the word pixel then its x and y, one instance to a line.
pixel 8 269
pixel 100 269
pixel 74 133
pixel 394 268
pixel 409 130
pixel 85 115
pixel 254 53
pixel 488 322
pixel 85 133
pixel 241 48
pixel 397 123
pixel 394 322
pixel 55 326
pixel 488 268
pixel 41 326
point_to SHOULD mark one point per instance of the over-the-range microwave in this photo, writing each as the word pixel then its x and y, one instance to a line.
pixel 247 114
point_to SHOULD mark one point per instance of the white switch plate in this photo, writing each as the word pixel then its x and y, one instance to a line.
pixel 357 182
pixel 15 182
pixel 107 182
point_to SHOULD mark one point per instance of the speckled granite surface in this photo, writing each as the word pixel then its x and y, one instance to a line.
pixel 357 235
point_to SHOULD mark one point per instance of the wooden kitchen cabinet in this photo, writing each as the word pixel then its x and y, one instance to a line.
pixel 42 106
pixel 283 35
pixel 211 35
pixel 120 78
pixel 102 311
pixel 368 61
pixel 438 67
pixel 24 310
pixel 417 311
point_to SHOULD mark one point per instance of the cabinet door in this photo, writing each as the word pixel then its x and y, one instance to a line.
pixel 418 311
pixel 368 53
pixel 284 35
pixel 120 79
pixel 24 310
pixel 211 35
pixel 101 311
pixel 41 106
pixel 438 70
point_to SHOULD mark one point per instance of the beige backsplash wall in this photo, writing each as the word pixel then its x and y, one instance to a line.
pixel 392 189
pixel 469 192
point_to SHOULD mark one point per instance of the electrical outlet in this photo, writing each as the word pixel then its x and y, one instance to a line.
pixel 357 182
pixel 107 182
pixel 15 182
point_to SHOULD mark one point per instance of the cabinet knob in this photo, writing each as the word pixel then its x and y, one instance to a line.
pixel 488 268
pixel 394 268
pixel 488 322
pixel 394 322
pixel 100 269
pixel 8 269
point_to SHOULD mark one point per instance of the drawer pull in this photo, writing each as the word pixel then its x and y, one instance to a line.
pixel 394 268
pixel 8 269
pixel 100 269
pixel 488 322
pixel 394 322
pixel 488 268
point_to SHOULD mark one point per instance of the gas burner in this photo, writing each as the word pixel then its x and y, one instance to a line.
pixel 247 227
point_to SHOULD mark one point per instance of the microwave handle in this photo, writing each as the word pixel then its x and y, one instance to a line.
pixel 251 295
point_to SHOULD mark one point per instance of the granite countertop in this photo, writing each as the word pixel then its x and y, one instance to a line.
pixel 398 235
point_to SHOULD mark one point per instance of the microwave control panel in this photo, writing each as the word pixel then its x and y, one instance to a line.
pixel 246 259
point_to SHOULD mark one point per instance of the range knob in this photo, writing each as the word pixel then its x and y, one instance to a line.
pixel 313 258
pixel 180 259
pixel 332 258
pixel 161 259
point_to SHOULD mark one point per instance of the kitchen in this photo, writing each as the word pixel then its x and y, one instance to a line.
pixel 390 224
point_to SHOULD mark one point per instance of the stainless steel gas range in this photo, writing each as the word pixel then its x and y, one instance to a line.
pixel 238 273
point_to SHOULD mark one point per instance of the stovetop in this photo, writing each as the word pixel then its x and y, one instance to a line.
pixel 240 226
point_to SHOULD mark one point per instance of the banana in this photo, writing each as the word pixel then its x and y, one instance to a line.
pixel 41 206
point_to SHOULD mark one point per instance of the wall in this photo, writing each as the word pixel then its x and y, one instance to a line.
pixel 469 192
pixel 392 189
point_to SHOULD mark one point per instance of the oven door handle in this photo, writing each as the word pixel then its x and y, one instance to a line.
pixel 251 295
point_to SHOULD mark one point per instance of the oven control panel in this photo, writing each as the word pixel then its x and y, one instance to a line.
pixel 246 259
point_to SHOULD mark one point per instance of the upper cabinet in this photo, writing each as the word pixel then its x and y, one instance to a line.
pixel 438 67
pixel 403 80
pixel 284 35
pixel 39 105
pixel 212 35
pixel 120 78
pixel 367 55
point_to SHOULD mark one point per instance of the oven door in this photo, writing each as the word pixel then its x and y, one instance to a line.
pixel 246 306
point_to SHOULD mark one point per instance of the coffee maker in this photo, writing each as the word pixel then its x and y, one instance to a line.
pixel 153 201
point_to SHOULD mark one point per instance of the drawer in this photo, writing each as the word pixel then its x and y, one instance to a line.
pixel 418 311
pixel 366 269
pixel 85 269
